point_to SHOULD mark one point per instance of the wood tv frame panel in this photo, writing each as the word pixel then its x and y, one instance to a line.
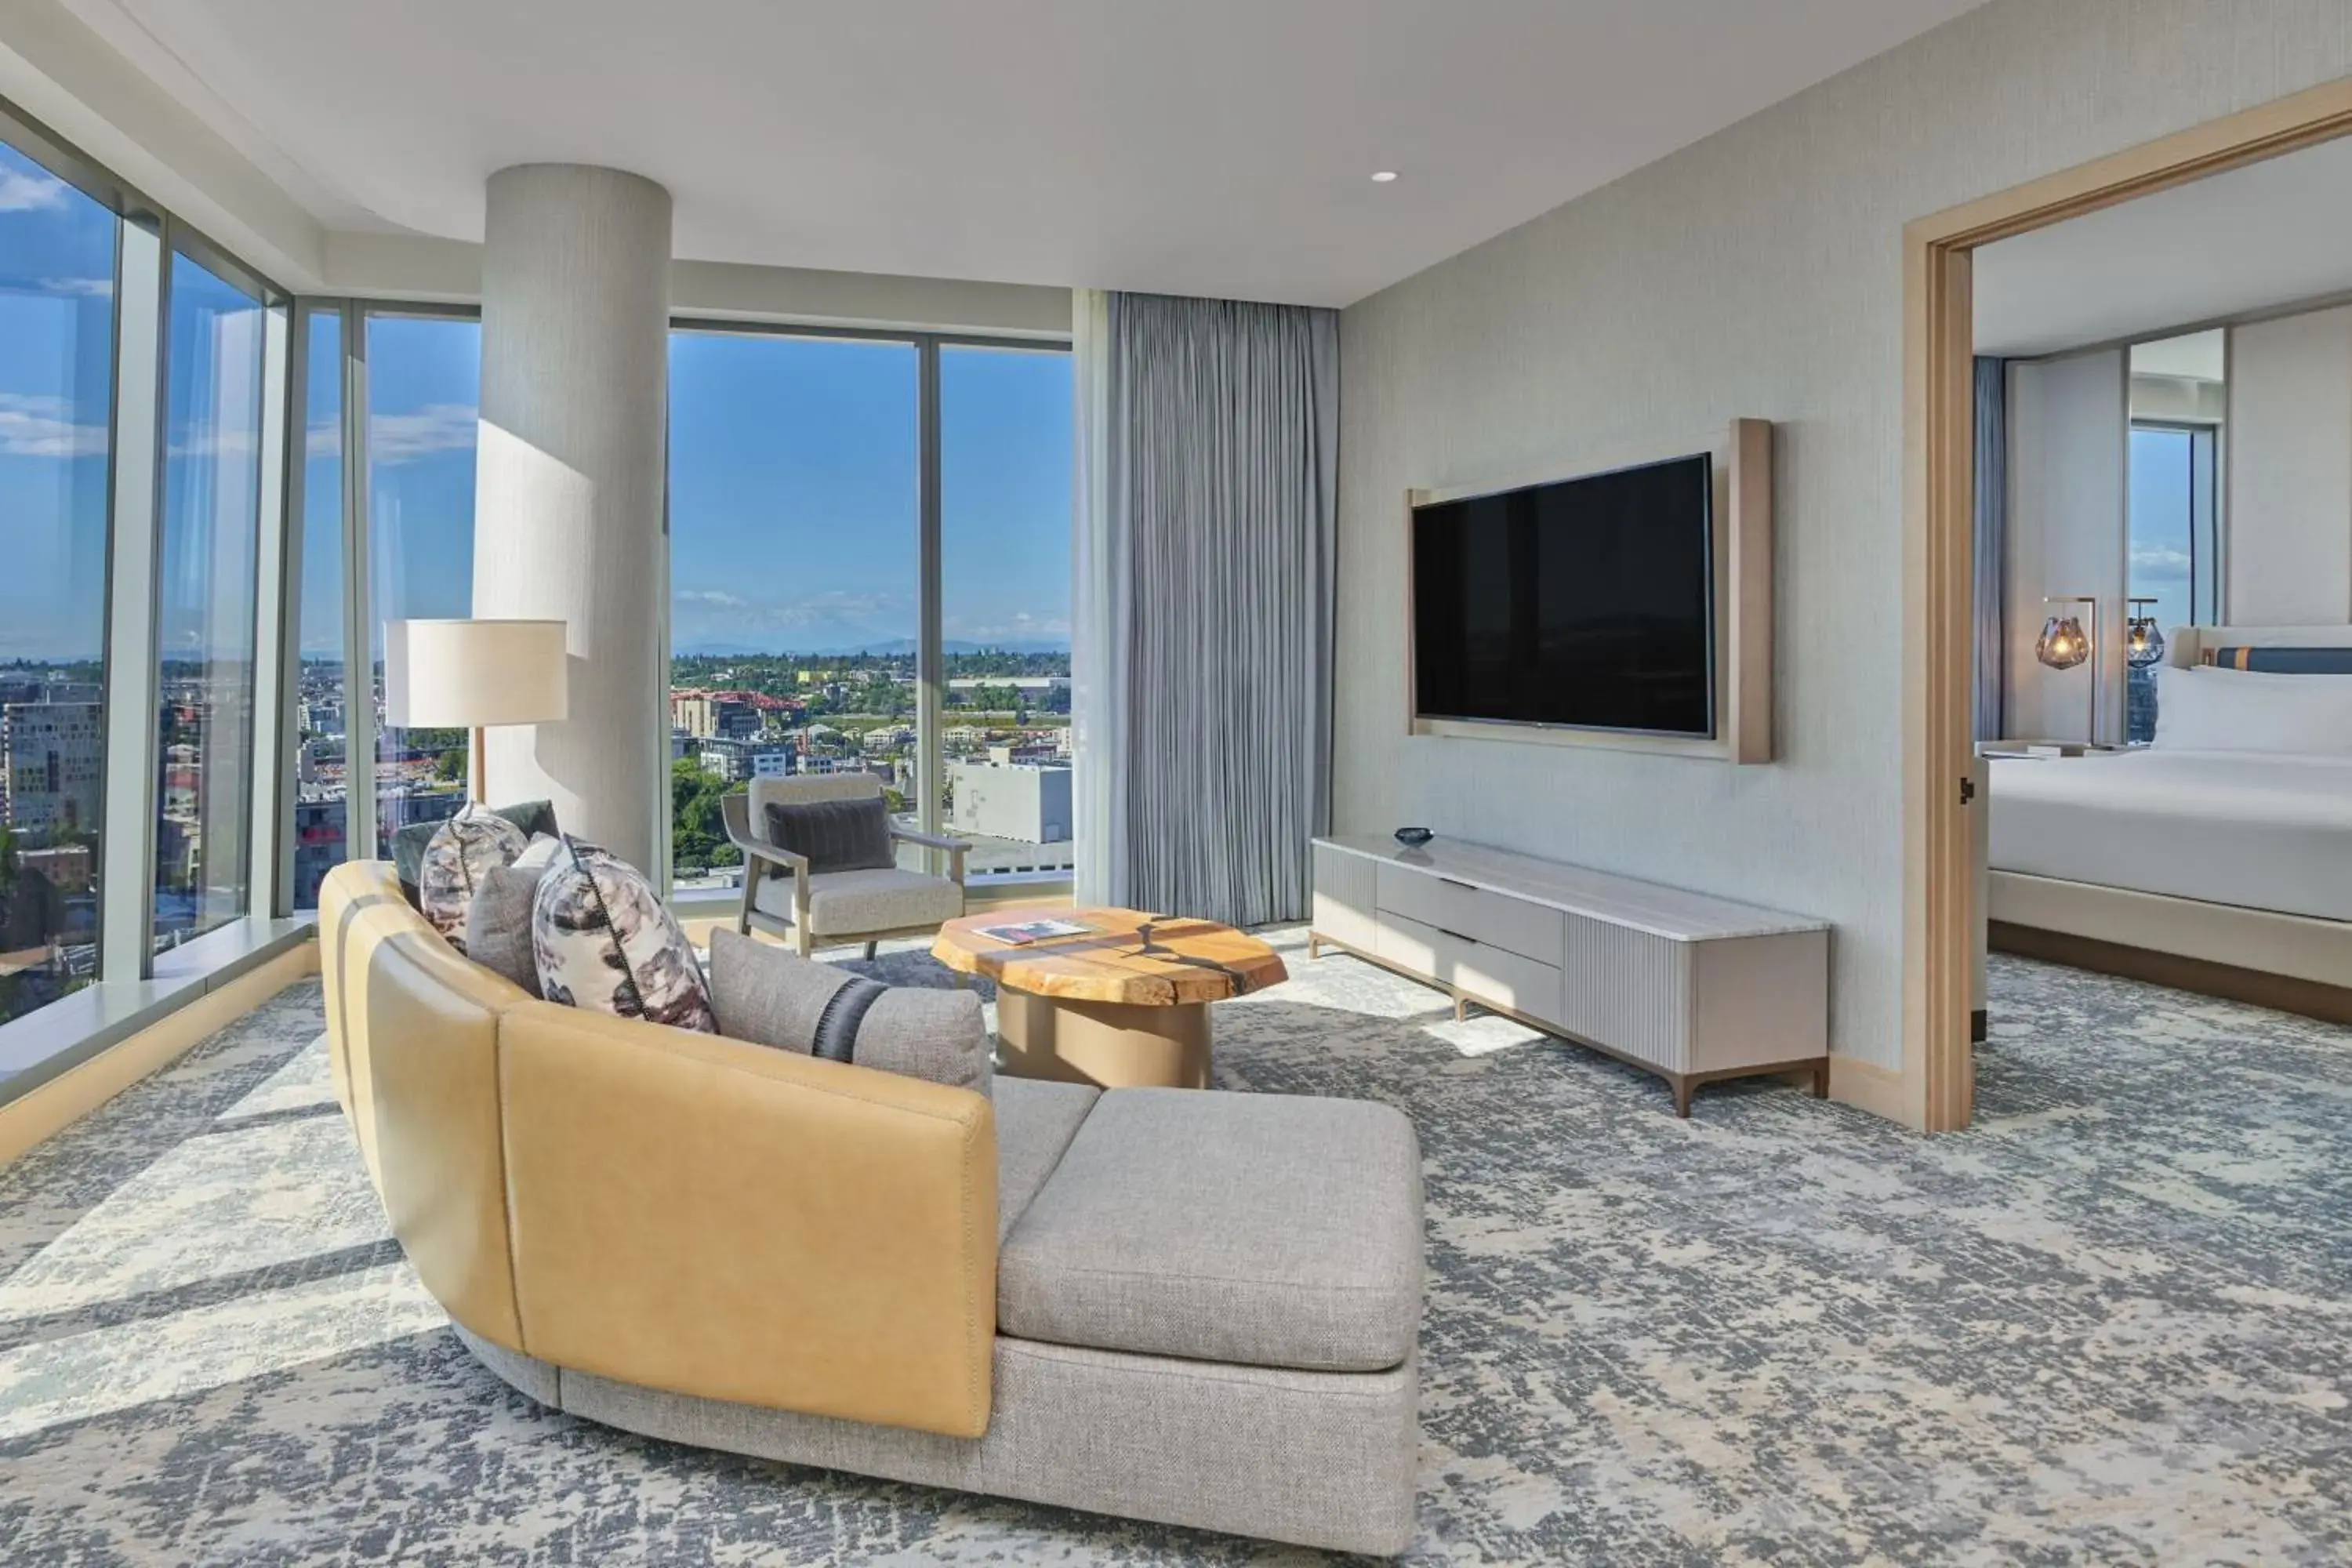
pixel 1742 453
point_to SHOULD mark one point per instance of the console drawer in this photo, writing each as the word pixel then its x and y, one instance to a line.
pixel 1477 969
pixel 1491 919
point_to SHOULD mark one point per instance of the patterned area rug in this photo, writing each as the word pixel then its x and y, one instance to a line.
pixel 2109 1324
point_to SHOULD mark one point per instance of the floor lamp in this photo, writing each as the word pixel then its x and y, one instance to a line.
pixel 2062 645
pixel 470 675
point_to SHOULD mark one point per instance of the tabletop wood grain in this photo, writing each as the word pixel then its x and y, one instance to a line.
pixel 1126 956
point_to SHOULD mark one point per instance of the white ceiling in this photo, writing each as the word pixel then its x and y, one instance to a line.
pixel 2272 233
pixel 2198 356
pixel 1214 147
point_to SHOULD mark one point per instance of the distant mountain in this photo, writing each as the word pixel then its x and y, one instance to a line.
pixel 886 648
pixel 718 650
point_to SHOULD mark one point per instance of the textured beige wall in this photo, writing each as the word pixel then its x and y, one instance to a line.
pixel 1757 273
pixel 2289 555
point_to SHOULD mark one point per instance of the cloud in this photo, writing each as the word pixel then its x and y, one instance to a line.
pixel 838 618
pixel 435 428
pixel 1020 627
pixel 81 288
pixel 216 443
pixel 32 426
pixel 395 438
pixel 24 193
pixel 2159 564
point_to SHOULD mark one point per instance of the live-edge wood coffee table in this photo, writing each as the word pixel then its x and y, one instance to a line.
pixel 1123 1006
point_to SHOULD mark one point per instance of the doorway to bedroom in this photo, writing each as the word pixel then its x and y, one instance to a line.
pixel 2148 553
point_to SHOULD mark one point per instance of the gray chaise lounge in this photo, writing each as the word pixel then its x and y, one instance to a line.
pixel 1194 1308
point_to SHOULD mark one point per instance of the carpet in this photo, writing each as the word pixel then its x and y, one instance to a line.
pixel 2106 1324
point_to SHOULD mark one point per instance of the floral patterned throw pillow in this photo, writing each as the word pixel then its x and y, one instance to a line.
pixel 603 941
pixel 464 849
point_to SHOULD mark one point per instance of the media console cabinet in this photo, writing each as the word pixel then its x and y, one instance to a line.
pixel 1690 987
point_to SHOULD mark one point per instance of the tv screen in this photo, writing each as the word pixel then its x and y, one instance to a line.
pixel 1589 603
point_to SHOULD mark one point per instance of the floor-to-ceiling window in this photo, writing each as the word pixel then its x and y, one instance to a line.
pixel 206 598
pixel 2175 551
pixel 1004 621
pixel 321 763
pixel 57 347
pixel 794 496
pixel 423 397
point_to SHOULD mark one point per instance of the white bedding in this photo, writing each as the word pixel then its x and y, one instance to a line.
pixel 2261 830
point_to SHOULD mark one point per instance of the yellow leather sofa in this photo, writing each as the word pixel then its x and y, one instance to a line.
pixel 1210 1301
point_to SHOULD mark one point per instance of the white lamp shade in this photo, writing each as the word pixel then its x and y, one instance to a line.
pixel 473 674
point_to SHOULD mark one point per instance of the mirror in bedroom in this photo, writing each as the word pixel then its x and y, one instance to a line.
pixel 2163 585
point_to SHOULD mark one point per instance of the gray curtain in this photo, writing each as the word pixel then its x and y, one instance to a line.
pixel 1991 539
pixel 1220 473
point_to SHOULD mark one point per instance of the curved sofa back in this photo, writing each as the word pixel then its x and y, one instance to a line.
pixel 679 1211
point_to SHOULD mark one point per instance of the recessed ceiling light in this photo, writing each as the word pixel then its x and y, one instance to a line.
pixel 1384 176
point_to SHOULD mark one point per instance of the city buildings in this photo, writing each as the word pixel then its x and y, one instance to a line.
pixel 52 756
pixel 738 760
pixel 1005 799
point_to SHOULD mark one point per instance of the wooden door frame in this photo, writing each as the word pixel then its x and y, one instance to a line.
pixel 1934 1090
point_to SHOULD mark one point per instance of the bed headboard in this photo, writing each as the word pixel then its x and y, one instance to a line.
pixel 2188 646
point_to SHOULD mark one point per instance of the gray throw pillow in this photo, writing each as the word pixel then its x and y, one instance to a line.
pixel 771 997
pixel 835 834
pixel 498 922
pixel 603 942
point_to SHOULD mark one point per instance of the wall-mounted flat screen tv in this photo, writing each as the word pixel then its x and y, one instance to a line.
pixel 1587 603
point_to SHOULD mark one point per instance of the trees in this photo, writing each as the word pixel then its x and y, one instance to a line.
pixel 698 832
pixel 451 765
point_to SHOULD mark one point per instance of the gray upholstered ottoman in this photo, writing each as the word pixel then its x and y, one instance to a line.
pixel 1207 1308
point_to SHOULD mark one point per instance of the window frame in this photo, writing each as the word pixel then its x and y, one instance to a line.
pixel 134 987
pixel 2206 533
pixel 931 652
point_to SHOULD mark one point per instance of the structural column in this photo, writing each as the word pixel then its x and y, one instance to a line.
pixel 569 486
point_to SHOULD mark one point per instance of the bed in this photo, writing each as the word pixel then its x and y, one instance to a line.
pixel 2220 870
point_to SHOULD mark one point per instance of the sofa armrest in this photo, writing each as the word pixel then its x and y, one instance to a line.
pixel 761 858
pixel 957 848
pixel 737 811
pixel 928 840
pixel 695 1214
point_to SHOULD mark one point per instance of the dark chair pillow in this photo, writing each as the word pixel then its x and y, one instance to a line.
pixel 409 843
pixel 835 834
pixel 771 997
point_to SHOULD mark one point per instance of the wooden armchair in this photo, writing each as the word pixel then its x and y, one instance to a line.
pixel 817 909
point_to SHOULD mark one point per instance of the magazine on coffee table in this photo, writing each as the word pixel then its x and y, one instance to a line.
pixel 1020 933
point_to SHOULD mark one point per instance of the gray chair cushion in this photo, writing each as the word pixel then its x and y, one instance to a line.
pixel 769 997
pixel 498 922
pixel 853 901
pixel 835 834
pixel 1267 1230
pixel 1035 1120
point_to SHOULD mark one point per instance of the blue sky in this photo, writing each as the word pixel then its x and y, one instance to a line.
pixel 2159 524
pixel 56 268
pixel 792 474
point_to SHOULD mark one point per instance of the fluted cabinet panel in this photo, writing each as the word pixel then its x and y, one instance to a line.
pixel 1629 990
pixel 570 481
